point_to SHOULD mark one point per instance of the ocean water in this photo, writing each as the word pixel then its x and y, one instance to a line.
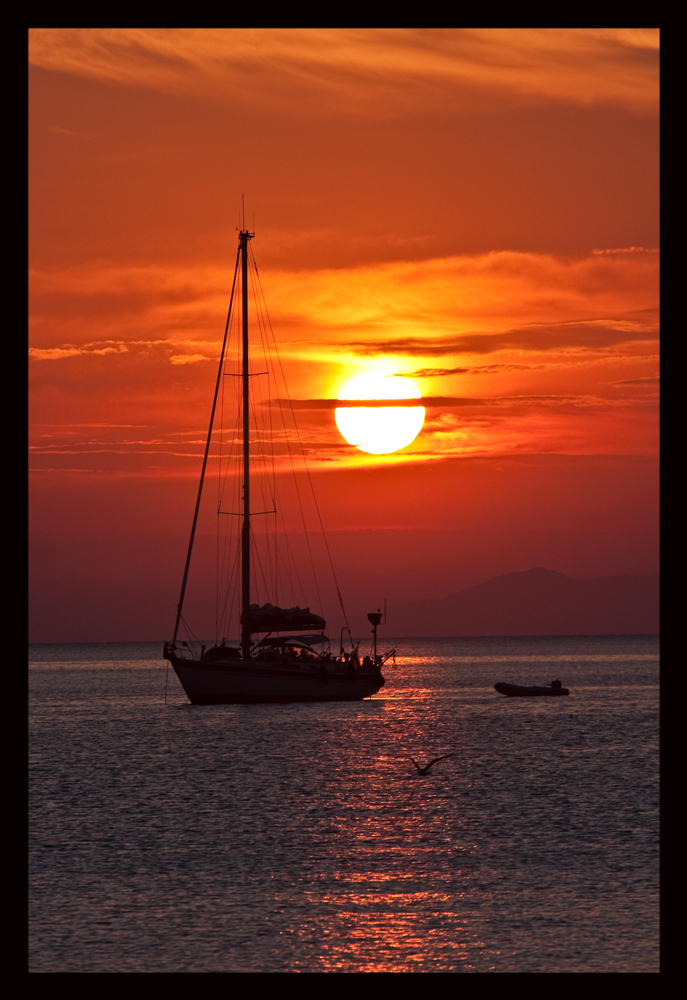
pixel 167 837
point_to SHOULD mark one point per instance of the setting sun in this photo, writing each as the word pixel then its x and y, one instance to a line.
pixel 379 430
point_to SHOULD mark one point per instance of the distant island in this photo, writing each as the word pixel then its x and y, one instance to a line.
pixel 536 602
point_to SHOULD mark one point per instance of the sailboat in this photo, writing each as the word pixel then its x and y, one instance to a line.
pixel 281 656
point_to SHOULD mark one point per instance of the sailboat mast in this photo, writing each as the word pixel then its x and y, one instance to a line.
pixel 184 581
pixel 244 236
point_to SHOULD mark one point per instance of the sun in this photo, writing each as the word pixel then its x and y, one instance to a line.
pixel 379 430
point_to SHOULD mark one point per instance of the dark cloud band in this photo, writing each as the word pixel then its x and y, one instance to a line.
pixel 433 401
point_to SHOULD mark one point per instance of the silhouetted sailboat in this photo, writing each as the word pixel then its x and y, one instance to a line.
pixel 275 668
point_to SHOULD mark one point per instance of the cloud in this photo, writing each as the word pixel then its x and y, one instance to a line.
pixel 60 130
pixel 612 356
pixel 462 305
pixel 474 370
pixel 453 402
pixel 535 338
pixel 70 351
pixel 189 359
pixel 627 250
pixel 546 318
pixel 456 304
pixel 643 380
pixel 333 404
pixel 370 71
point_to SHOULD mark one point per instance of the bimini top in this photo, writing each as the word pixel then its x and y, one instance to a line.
pixel 270 619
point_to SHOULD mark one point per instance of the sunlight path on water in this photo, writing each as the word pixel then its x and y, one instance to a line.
pixel 299 838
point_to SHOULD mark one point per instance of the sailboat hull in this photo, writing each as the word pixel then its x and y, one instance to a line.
pixel 251 682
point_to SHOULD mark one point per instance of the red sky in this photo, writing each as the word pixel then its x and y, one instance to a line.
pixel 476 208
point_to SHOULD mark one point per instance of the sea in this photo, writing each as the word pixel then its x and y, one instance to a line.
pixel 167 837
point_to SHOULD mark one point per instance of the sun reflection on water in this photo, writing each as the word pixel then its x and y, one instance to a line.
pixel 393 931
pixel 300 838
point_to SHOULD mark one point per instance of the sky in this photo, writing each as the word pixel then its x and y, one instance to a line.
pixel 476 209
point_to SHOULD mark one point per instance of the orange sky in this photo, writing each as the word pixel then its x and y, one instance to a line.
pixel 475 208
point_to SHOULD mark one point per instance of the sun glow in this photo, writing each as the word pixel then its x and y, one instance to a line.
pixel 379 430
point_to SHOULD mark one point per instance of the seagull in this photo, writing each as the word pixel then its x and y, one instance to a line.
pixel 425 770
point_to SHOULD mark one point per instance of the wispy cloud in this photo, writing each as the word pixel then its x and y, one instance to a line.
pixel 449 303
pixel 61 130
pixel 516 336
pixel 612 356
pixel 474 370
pixel 618 250
pixel 189 359
pixel 549 337
pixel 643 380
pixel 371 71
pixel 333 404
pixel 454 402
pixel 71 351
pixel 463 305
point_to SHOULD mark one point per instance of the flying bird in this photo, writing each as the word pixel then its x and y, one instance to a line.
pixel 425 770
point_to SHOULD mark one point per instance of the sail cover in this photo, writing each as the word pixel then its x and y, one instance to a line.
pixel 280 640
pixel 270 619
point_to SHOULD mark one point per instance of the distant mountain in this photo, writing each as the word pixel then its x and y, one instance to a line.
pixel 536 602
